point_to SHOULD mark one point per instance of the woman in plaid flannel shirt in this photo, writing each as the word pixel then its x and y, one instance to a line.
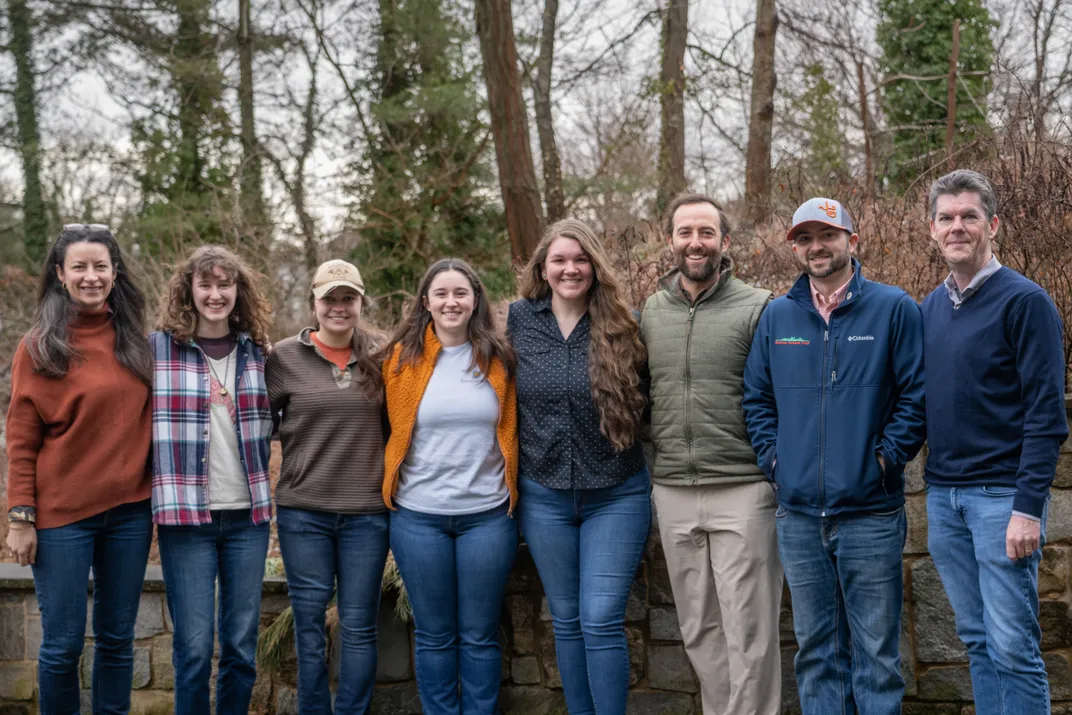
pixel 211 494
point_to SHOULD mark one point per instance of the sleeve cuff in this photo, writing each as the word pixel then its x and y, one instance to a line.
pixel 1026 516
pixel 1029 504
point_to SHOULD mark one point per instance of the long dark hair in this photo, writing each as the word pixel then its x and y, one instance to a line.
pixel 615 352
pixel 48 342
pixel 488 341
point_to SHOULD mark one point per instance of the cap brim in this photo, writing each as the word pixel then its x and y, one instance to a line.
pixel 321 291
pixel 790 233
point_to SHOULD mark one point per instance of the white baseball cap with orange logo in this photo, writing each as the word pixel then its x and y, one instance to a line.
pixel 826 211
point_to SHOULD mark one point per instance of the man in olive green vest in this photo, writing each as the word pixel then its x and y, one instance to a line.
pixel 715 507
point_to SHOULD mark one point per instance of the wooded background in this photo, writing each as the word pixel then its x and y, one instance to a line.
pixel 395 132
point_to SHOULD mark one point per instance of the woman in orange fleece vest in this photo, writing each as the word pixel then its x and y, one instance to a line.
pixel 450 478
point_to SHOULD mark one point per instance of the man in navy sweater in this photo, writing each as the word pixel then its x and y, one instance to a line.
pixel 994 380
pixel 834 407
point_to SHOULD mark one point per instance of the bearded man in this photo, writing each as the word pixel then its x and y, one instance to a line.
pixel 834 406
pixel 715 507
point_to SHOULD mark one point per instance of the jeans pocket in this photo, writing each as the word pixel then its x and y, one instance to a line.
pixel 780 512
pixel 999 492
pixel 891 512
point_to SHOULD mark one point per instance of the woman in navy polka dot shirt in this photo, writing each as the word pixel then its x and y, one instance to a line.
pixel 584 505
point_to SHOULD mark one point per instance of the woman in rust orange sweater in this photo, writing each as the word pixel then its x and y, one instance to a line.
pixel 450 478
pixel 78 437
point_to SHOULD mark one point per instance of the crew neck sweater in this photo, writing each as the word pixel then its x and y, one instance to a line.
pixel 994 379
pixel 78 445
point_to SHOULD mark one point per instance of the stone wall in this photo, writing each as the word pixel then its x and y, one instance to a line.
pixel 934 660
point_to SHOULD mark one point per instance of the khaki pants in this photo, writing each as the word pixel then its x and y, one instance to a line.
pixel 721 549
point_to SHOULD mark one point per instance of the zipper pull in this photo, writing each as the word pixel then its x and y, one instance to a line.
pixel 826 336
pixel 692 310
pixel 833 377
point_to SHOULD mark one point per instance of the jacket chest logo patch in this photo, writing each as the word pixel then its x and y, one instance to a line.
pixel 791 341
pixel 857 338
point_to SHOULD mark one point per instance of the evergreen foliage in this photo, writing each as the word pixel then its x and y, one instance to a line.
pixel 427 183
pixel 822 164
pixel 916 39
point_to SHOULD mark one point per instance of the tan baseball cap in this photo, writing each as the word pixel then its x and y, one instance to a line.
pixel 335 273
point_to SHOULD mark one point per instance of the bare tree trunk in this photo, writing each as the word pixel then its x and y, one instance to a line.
pixel 34 218
pixel 517 174
pixel 554 196
pixel 951 94
pixel 761 117
pixel 250 179
pixel 672 101
pixel 865 121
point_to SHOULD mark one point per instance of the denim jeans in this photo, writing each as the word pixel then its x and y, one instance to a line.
pixel 231 549
pixel 845 576
pixel 325 553
pixel 587 545
pixel 115 544
pixel 455 570
pixel 995 599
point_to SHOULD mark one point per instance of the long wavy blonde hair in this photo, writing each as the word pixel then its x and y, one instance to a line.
pixel 615 352
pixel 252 312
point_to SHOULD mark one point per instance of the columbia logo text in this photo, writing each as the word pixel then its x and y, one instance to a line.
pixel 855 338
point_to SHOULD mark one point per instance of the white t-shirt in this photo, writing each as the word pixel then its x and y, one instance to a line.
pixel 228 487
pixel 454 464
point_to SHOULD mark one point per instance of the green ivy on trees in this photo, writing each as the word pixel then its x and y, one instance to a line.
pixel 916 39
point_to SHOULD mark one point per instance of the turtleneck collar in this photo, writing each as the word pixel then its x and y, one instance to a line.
pixel 87 320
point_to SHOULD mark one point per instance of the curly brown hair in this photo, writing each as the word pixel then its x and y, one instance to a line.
pixel 252 312
pixel 615 352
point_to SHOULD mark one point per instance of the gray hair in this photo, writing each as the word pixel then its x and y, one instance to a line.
pixel 961 181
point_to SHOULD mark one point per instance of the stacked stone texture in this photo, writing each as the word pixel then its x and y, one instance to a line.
pixel 662 681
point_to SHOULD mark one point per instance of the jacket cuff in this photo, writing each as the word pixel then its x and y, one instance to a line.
pixel 768 463
pixel 1029 505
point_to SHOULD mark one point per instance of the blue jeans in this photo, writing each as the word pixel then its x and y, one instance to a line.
pixel 587 545
pixel 845 576
pixel 994 598
pixel 327 554
pixel 231 549
pixel 115 544
pixel 455 570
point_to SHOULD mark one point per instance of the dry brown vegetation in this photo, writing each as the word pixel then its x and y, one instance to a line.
pixel 1033 181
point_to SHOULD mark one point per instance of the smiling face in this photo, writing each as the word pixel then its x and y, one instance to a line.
pixel 214 296
pixel 823 250
pixel 962 231
pixel 697 242
pixel 450 300
pixel 568 269
pixel 338 311
pixel 87 274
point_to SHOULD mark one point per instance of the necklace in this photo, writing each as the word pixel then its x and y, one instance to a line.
pixel 226 373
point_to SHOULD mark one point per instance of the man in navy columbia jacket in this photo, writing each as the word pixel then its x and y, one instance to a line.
pixel 834 406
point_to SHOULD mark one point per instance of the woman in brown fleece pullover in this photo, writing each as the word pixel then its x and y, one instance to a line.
pixel 326 392
pixel 78 435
